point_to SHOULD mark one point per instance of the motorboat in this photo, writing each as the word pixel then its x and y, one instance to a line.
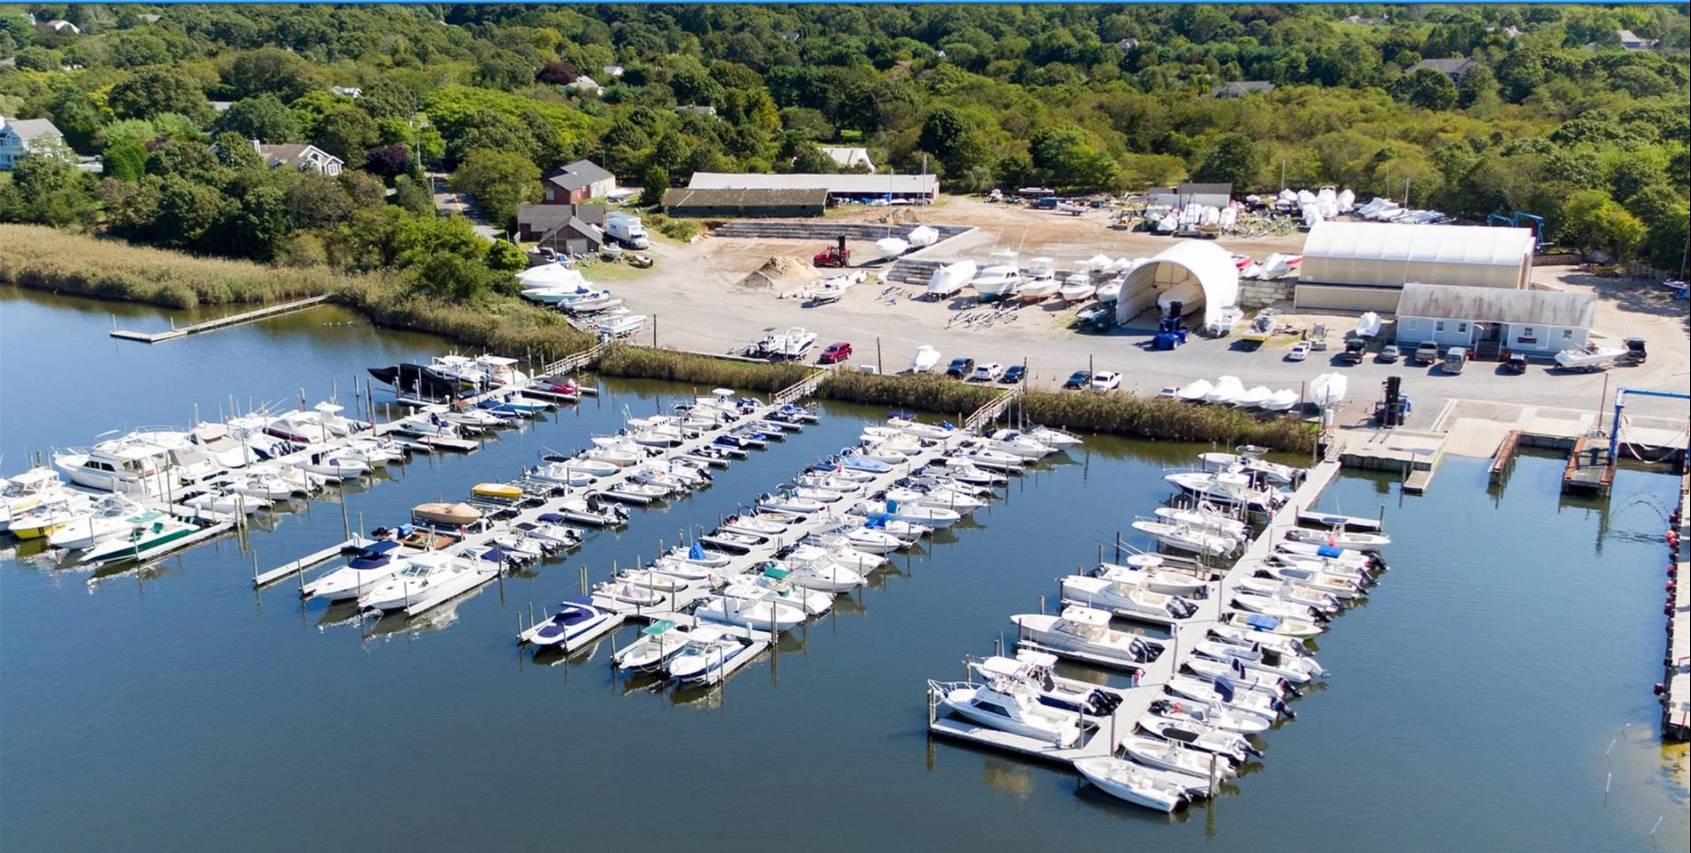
pixel 964 471
pixel 1222 693
pixel 752 607
pixel 1341 587
pixel 1110 291
pixel 1207 713
pixel 930 516
pixel 1282 400
pixel 1274 605
pixel 998 279
pixel 944 497
pixel 556 535
pixel 1226 489
pixel 922 236
pixel 1225 390
pixel 734 542
pixel 1323 605
pixel 1017 443
pixel 1036 672
pixel 797 342
pixel 789 501
pixel 1368 325
pixel 620 325
pixel 821 573
pixel 892 247
pixel 590 509
pixel 827 482
pixel 595 299
pixel 427 577
pixel 1328 390
pixel 226 503
pixel 658 642
pixel 1347 540
pixel 1133 783
pixel 272 482
pixel 138 464
pixel 638 494
pixel 570 473
pixel 1078 287
pixel 869 537
pixel 777 580
pixel 1201 738
pixel 1054 438
pixel 1327 556
pixel 1195 391
pixel 997 460
pixel 373 564
pixel 1244 638
pixel 26 491
pixel 448 515
pixel 48 517
pixel 151 533
pixel 1223 321
pixel 698 555
pixel 1302 629
pixel 1589 357
pixel 1182 538
pixel 950 279
pixel 756 525
pixel 1207 520
pixel 630 593
pixel 709 656
pixel 1037 288
pixel 835 552
pixel 1003 706
pixel 1126 599
pixel 112 518
pixel 1274 472
pixel 1143 570
pixel 1085 633
pixel 1176 757
pixel 1210 669
pixel 1292 669
pixel 1189 295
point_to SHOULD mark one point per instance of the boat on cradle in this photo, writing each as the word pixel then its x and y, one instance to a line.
pixel 892 247
pixel 949 280
pixel 1003 705
pixel 658 642
pixel 373 564
pixel 1328 390
pixel 752 607
pixel 152 533
pixel 1195 391
pixel 428 579
pixel 1078 287
pixel 1147 571
pixel 1189 295
pixel 1183 538
pixel 710 656
pixel 1126 599
pixel 998 278
pixel 1036 671
pixel 1135 784
pixel 1225 390
pixel 1037 288
pixel 1253 397
pixel 111 518
pixel 1282 400
pixel 1084 634
pixel 1341 539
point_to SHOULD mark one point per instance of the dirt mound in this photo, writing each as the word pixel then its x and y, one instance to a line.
pixel 779 273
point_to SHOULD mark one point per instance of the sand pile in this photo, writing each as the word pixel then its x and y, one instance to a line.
pixel 779 273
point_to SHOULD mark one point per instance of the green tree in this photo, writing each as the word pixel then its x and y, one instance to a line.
pixel 151 91
pixel 654 183
pixel 1234 160
pixel 49 190
pixel 499 181
pixel 275 71
pixel 1594 221
pixel 125 160
pixel 186 212
pixel 347 133
pixel 316 201
pixel 505 257
pixel 413 195
pixel 236 152
pixel 1068 158
pixel 388 99
pixel 1667 216
pixel 1427 89
pixel 262 117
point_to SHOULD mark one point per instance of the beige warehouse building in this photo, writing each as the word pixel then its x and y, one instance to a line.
pixel 1363 266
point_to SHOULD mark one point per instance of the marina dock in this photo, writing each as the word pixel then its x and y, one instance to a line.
pixel 225 322
pixel 1590 467
pixel 1152 677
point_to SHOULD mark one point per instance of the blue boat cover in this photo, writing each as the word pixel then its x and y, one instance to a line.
pixel 1328 551
pixel 1224 688
pixel 1258 620
pixel 695 552
pixel 494 555
pixel 892 507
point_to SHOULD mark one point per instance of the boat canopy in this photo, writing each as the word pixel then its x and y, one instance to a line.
pixel 658 628
pixel 774 572
pixel 1265 623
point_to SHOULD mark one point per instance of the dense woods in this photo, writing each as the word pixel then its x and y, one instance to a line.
pixel 1552 116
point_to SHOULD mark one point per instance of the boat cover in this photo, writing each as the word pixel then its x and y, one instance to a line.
pixel 1329 551
pixel 1260 621
pixel 661 626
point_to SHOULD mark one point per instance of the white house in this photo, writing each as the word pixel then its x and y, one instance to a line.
pixel 21 136
pixel 586 85
pixel 1492 320
pixel 305 158
pixel 849 158
pixel 1632 41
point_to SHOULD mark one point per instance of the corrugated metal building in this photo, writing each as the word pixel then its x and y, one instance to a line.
pixel 693 201
pixel 910 188
pixel 1363 266
pixel 1489 320
pixel 1181 195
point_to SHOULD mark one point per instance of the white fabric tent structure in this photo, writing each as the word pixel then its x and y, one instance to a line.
pixel 1187 262
pixel 1378 254
pixel 550 275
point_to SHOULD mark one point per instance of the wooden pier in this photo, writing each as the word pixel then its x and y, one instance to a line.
pixel 175 331
pixel 989 412
pixel 1590 468
pixel 1504 459
pixel 295 567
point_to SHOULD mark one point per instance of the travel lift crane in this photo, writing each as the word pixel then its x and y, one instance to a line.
pixel 1522 219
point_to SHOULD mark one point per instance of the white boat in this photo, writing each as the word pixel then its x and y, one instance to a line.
pixel 936 496
pixel 1274 472
pixel 1345 540
pixel 1084 633
pixel 1110 291
pixel 752 607
pixel 577 621
pixel 1224 321
pixel 1368 325
pixel 332 461
pixel 1226 489
pixel 590 509
pixel 1206 739
pixel 137 466
pixel 949 280
pixel 658 642
pixel 1168 755
pixel 789 502
pixel 591 301
pixel 710 656
pixel 1002 705
pixel 226 503
pixel 1208 520
pixel 1077 287
pixel 422 579
pixel 1293 669
pixel 1210 714
pixel 1035 672
pixel 1126 599
pixel 112 518
pixel 1143 570
pixel 925 359
pixel 1183 538
pixel 1214 693
pixel 797 342
pixel 858 561
pixel 1195 391
pixel 891 247
pixel 373 565
pixel 1018 443
pixel 892 510
pixel 998 278
pixel 1302 629
pixel 628 592
pixel 1037 288
pixel 1273 605
pixel 26 491
pixel 1225 390
pixel 570 473
pixel 1133 783
pixel 622 325
pixel 1589 357
pixel 1190 295
pixel 151 533
pixel 1054 438
pixel 1328 390
pixel 1282 400
pixel 1209 669
pixel 821 573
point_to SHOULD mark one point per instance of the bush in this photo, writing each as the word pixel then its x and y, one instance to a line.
pixel 680 230
pixel 649 363
pixel 926 392
pixel 1165 418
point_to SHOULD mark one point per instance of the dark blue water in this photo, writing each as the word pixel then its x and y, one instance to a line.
pixel 1473 701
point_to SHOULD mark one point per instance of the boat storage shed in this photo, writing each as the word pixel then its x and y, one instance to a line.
pixel 1493 320
pixel 1187 262
pixel 1363 266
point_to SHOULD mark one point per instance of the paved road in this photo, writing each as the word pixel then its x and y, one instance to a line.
pixel 449 203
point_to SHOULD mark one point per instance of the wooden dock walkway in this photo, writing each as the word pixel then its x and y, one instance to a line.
pixel 225 322
pixel 1590 468
pixel 1504 459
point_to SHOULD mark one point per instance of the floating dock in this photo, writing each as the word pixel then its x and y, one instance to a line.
pixel 1590 468
pixel 175 331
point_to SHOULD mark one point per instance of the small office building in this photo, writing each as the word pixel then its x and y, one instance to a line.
pixel 1489 321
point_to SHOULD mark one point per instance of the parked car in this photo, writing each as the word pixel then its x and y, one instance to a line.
pixel 1077 380
pixel 836 352
pixel 1454 359
pixel 1013 374
pixel 1427 353
pixel 1108 380
pixel 1354 349
pixel 1388 353
pixel 1299 351
pixel 1517 363
pixel 987 372
pixel 960 367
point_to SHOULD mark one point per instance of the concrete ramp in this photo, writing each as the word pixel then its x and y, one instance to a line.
pixel 1475 437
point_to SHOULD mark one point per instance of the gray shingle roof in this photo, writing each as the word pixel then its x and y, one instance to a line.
pixel 581 173
pixel 1497 305
pixel 32 128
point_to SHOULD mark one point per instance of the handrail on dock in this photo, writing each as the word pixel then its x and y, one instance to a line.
pixel 990 411
pixel 574 361
pixel 804 387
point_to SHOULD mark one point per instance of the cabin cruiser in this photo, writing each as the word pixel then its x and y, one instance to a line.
pixel 27 491
pixel 996 281
pixel 423 578
pixel 1017 443
pixel 135 466
pixel 107 520
pixel 53 513
pixel 1006 706
pixel 1037 287
pixel 373 564
pixel 151 532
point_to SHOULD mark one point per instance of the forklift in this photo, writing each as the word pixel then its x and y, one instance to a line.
pixel 833 256
pixel 1171 332
pixel 1395 408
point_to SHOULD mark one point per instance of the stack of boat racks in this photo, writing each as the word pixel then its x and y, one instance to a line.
pixel 1210 633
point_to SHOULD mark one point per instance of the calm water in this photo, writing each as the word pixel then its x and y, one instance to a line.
pixel 1479 700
